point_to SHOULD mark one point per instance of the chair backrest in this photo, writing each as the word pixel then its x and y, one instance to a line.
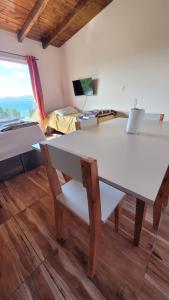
pixel 66 162
pixel 86 123
pixel 83 170
pixel 155 117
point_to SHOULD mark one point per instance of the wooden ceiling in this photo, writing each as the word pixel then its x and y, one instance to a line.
pixel 49 21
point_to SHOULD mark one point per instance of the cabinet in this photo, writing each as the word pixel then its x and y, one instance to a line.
pixel 19 164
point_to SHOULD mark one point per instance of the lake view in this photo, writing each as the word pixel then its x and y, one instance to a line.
pixel 21 106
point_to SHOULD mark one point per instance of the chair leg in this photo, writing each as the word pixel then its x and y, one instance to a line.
pixel 117 213
pixel 58 220
pixel 93 247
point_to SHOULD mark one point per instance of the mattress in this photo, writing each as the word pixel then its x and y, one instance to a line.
pixel 18 141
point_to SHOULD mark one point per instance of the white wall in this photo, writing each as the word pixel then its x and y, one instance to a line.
pixel 49 65
pixel 127 48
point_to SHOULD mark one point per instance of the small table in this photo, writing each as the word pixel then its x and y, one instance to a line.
pixel 134 164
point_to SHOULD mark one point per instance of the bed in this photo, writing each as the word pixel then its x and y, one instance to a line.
pixel 16 154
pixel 18 141
pixel 63 124
pixel 66 123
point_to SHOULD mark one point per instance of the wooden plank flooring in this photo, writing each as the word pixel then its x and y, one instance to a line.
pixel 34 266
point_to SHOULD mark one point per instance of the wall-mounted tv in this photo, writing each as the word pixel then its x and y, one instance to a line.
pixel 83 87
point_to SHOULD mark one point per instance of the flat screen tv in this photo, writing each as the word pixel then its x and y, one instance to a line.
pixel 83 87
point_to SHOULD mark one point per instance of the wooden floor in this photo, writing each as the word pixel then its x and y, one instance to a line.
pixel 33 265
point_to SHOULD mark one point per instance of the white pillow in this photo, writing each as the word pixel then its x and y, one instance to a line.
pixel 66 111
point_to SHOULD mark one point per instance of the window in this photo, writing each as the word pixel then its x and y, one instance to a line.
pixel 16 95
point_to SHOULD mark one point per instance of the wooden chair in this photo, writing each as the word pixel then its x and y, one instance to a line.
pixel 85 197
pixel 155 117
pixel 86 123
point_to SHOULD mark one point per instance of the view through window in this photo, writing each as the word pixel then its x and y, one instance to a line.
pixel 16 95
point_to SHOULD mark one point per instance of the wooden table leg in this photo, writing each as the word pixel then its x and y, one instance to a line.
pixel 140 211
pixel 157 211
pixel 161 199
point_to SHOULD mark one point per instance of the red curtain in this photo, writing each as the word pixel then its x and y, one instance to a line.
pixel 36 85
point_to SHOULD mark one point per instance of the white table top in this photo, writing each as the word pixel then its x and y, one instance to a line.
pixel 135 164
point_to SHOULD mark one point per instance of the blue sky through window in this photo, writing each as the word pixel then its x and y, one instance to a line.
pixel 16 95
pixel 14 79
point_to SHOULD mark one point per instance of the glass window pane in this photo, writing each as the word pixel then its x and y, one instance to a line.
pixel 16 95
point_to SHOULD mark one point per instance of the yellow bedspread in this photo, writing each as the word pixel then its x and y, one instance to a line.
pixel 63 124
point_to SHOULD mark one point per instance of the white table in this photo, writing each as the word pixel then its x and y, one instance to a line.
pixel 135 164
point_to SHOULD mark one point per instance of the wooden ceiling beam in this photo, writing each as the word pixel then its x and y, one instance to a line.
pixel 51 38
pixel 31 19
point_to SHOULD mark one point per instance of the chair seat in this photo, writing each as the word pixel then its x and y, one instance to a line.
pixel 74 197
